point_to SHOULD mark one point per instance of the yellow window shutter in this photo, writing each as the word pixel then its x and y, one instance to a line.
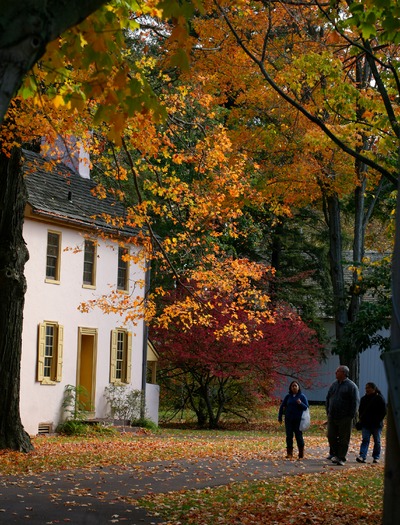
pixel 41 350
pixel 128 358
pixel 60 349
pixel 113 355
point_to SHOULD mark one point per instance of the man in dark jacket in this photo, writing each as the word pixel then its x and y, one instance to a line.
pixel 342 403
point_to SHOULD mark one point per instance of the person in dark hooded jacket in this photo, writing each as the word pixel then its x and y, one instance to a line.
pixel 372 412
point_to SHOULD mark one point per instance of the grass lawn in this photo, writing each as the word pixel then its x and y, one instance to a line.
pixel 352 496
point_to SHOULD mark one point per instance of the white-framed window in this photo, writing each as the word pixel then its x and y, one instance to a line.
pixel 121 356
pixel 53 258
pixel 123 269
pixel 89 263
pixel 50 352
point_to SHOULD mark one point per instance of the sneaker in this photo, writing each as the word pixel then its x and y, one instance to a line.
pixel 329 457
pixel 376 460
pixel 338 461
pixel 360 459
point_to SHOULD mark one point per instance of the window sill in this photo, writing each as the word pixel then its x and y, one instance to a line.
pixel 121 290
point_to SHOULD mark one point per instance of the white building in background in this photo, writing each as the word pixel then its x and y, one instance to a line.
pixel 371 370
pixel 72 263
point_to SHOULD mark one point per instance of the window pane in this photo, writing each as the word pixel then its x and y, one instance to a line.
pixel 122 281
pixel 49 351
pixel 53 241
pixel 88 262
pixel 120 357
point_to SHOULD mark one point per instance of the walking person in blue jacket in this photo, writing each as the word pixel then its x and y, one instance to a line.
pixel 371 414
pixel 292 406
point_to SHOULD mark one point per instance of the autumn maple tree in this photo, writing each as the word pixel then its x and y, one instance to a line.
pixel 336 66
pixel 227 354
pixel 282 166
pixel 252 59
pixel 25 32
pixel 292 164
pixel 228 146
pixel 190 180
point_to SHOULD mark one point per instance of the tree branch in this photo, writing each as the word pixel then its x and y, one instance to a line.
pixel 312 118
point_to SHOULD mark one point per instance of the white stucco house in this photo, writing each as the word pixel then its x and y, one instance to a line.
pixel 72 262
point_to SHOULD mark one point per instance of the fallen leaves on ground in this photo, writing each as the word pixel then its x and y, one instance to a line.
pixel 351 497
pixel 342 497
pixel 60 453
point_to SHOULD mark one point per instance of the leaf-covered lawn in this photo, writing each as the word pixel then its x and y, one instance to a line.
pixel 350 496
pixel 60 453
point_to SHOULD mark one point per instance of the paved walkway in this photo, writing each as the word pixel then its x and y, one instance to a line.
pixel 101 496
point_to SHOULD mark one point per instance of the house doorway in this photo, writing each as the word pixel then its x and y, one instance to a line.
pixel 86 369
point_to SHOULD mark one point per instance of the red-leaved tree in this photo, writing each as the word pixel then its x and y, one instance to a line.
pixel 208 367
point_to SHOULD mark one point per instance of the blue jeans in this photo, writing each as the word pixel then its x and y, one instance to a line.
pixel 292 427
pixel 366 434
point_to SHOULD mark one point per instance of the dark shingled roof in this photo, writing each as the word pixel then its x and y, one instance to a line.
pixel 57 192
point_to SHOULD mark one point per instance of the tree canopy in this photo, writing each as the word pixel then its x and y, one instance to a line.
pixel 225 360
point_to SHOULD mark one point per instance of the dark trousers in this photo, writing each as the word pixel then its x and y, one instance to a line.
pixel 292 427
pixel 339 433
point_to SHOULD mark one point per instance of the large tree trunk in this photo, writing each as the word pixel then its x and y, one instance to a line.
pixel 340 307
pixel 13 256
pixel 391 500
pixel 353 358
pixel 347 310
pixel 26 27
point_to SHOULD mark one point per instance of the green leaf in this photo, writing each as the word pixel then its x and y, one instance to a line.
pixel 356 8
pixel 27 92
pixel 367 30
pixel 181 60
pixel 371 17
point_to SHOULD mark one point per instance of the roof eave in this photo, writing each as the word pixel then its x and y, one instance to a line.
pixel 78 223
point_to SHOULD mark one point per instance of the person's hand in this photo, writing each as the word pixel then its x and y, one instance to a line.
pixel 299 401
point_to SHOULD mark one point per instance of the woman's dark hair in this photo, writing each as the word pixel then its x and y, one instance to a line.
pixel 293 383
pixel 374 387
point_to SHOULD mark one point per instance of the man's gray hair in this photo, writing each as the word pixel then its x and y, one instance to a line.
pixel 345 369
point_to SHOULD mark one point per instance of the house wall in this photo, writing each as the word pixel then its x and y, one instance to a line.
pixel 371 369
pixel 59 302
